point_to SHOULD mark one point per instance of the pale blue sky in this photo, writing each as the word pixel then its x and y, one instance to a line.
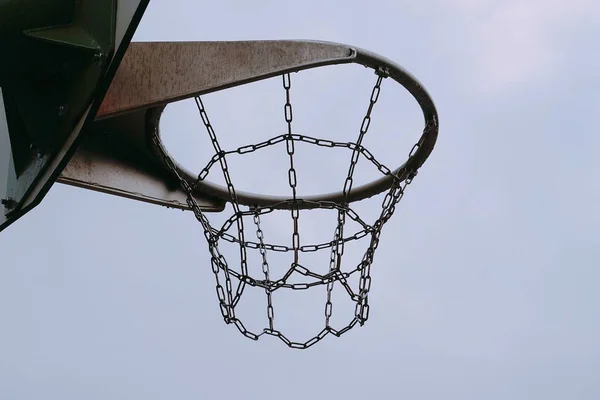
pixel 485 282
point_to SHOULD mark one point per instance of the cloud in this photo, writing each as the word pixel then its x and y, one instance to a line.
pixel 521 42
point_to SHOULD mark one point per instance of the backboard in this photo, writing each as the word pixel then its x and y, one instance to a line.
pixel 46 106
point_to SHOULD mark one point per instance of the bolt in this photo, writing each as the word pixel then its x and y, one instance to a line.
pixel 98 58
pixel 8 203
pixel 62 110
pixel 382 71
pixel 38 151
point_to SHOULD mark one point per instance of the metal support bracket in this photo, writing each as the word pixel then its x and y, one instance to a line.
pixel 49 76
pixel 115 157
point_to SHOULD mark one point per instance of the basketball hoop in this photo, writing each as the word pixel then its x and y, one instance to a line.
pixel 251 205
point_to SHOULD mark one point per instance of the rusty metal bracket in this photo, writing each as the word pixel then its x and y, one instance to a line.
pixel 157 73
pixel 115 158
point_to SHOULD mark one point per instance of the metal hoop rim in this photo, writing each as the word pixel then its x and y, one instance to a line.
pixel 417 157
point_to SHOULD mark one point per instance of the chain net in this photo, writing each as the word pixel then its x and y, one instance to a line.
pixel 231 283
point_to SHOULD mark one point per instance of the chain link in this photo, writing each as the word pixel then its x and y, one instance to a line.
pixel 227 297
pixel 290 147
pixel 265 269
pixel 298 138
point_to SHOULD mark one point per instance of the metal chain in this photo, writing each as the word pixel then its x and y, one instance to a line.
pixel 298 138
pixel 289 142
pixel 338 250
pixel 225 293
pixel 265 269
pixel 364 128
pixel 235 205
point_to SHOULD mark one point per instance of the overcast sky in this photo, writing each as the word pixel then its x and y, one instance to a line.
pixel 485 282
